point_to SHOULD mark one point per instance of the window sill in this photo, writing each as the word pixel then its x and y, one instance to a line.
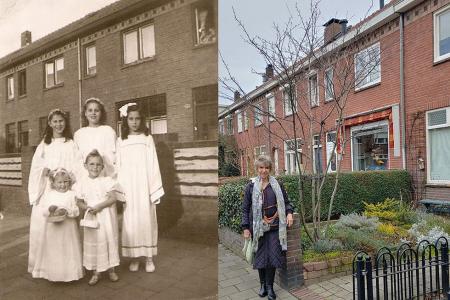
pixel 259 125
pixel 438 61
pixel 86 77
pixel 368 86
pixel 314 106
pixel 54 87
pixel 206 45
pixel 329 100
pixel 23 96
pixel 138 62
pixel 438 185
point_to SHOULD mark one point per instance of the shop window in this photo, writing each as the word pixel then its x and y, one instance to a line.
pixel 370 145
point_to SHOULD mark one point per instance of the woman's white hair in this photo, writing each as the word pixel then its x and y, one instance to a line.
pixel 263 160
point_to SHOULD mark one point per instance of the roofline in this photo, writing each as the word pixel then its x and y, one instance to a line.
pixel 387 14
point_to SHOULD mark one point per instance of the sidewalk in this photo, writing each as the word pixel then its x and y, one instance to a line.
pixel 183 271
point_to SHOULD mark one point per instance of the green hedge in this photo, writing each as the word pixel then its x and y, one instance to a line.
pixel 353 189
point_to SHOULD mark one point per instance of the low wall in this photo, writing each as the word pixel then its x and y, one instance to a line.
pixel 314 272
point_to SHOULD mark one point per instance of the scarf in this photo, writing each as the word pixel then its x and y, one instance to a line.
pixel 259 227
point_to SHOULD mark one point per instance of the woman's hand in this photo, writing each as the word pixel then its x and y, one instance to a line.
pixel 247 234
pixel 96 209
pixel 289 220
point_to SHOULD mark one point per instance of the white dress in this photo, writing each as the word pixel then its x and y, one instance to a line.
pixel 58 154
pixel 100 245
pixel 102 138
pixel 140 178
pixel 58 257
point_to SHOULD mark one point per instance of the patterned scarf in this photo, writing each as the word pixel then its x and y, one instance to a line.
pixel 259 227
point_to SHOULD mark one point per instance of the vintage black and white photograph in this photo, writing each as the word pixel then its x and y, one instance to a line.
pixel 108 149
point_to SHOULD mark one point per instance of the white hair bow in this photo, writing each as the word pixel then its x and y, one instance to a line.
pixel 123 109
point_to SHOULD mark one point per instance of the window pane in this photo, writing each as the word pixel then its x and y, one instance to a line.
pixel 59 70
pixel 205 27
pixel 22 83
pixel 11 138
pixel 331 151
pixel 159 126
pixel 329 84
pixel 313 90
pixel 444 33
pixel 148 41
pixel 271 108
pixel 23 134
pixel 10 87
pixel 91 60
pixel 239 121
pixel 439 154
pixel 50 76
pixel 370 149
pixel 130 47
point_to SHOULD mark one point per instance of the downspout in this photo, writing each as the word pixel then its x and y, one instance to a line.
pixel 80 110
pixel 402 91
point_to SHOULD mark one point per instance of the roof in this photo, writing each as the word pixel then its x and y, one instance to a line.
pixel 107 15
pixel 382 16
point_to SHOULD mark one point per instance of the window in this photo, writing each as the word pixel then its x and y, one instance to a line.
pixel 239 121
pixel 258 114
pixel 331 151
pixel 22 83
pixel 313 89
pixel 289 156
pixel 260 150
pixel 271 107
pixel 328 82
pixel 317 146
pixel 221 127
pixel 42 126
pixel 158 125
pixel 287 103
pixel 91 60
pixel 442 34
pixel 139 44
pixel 370 146
pixel 10 87
pixel 54 72
pixel 230 125
pixel 368 67
pixel 246 120
pixel 204 102
pixel 438 146
pixel 205 26
pixel 23 134
pixel 11 145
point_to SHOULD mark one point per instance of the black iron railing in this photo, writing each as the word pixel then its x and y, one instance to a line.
pixel 408 273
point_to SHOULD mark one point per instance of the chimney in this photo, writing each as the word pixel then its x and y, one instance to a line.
pixel 381 4
pixel 269 73
pixel 237 95
pixel 334 28
pixel 25 38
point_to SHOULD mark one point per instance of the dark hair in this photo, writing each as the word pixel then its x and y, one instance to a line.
pixel 125 130
pixel 48 133
pixel 102 121
pixel 94 153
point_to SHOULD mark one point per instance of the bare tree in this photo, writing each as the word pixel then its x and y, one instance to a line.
pixel 299 56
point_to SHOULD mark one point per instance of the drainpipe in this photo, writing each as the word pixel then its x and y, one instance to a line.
pixel 80 110
pixel 402 90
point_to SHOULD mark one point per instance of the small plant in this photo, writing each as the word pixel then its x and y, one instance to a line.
pixel 387 229
pixel 356 221
pixel 391 210
pixel 327 245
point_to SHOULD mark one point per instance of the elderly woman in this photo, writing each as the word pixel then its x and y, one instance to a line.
pixel 266 214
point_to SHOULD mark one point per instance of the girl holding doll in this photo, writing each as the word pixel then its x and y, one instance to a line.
pixel 96 196
pixel 57 150
pixel 140 178
pixel 96 135
pixel 58 257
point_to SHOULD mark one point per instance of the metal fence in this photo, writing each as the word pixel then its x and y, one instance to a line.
pixel 421 272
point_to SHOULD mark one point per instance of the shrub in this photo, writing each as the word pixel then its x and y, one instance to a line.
pixel 356 221
pixel 387 229
pixel 230 204
pixel 355 240
pixel 391 210
pixel 327 245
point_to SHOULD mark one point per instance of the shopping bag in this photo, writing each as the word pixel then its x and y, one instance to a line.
pixel 248 250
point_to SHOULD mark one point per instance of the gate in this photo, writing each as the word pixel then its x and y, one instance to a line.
pixel 408 273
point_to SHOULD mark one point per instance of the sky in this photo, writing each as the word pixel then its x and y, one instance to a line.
pixel 41 17
pixel 258 17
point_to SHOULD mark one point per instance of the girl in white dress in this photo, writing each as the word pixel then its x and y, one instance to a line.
pixel 96 135
pixel 57 149
pixel 140 178
pixel 95 193
pixel 59 254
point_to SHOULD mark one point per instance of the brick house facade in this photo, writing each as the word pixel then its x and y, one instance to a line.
pixel 411 38
pixel 159 53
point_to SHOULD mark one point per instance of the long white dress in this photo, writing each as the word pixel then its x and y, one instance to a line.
pixel 58 154
pixel 58 257
pixel 100 245
pixel 102 138
pixel 140 178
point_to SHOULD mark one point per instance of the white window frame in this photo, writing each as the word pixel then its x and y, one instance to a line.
pixel 140 44
pixel 258 114
pixel 329 153
pixel 317 146
pixel 271 107
pixel 91 66
pixel 239 121
pixel 260 150
pixel 313 92
pixel 436 28
pixel 246 120
pixel 230 125
pixel 367 82
pixel 369 126
pixel 10 87
pixel 428 128
pixel 289 151
pixel 221 127
pixel 54 68
pixel 287 109
pixel 328 84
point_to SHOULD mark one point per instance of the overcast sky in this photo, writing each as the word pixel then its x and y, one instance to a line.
pixel 258 16
pixel 41 17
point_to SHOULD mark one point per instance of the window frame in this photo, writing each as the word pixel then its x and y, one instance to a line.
pixel 239 121
pixel 428 128
pixel 287 102
pixel 365 52
pixel 246 120
pixel 7 137
pixel 139 46
pixel 436 24
pixel 13 95
pixel 271 107
pixel 319 147
pixel 55 72
pixel 328 98
pixel 329 170
pixel 258 116
pixel 221 127
pixel 195 28
pixel 86 60
pixel 20 132
pixel 260 147
pixel 289 151
pixel 317 98
pixel 22 86
pixel 230 127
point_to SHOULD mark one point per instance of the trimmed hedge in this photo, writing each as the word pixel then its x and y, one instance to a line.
pixel 353 189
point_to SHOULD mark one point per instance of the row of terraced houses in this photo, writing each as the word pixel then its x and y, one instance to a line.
pixel 398 114
pixel 161 54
